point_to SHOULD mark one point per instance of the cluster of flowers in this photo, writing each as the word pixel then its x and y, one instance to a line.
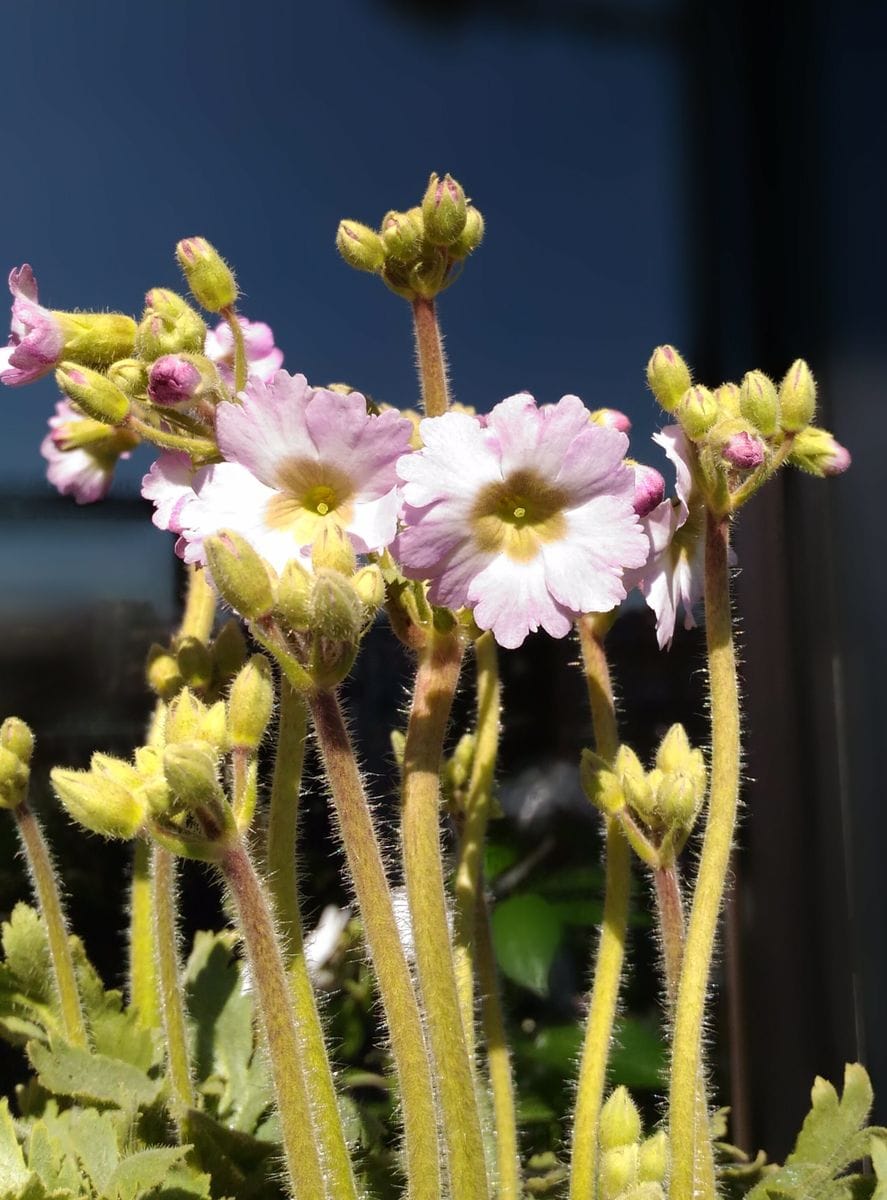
pixel 526 516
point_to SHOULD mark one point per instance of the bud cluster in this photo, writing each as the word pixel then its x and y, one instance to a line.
pixel 632 1167
pixel 16 749
pixel 744 433
pixel 657 808
pixel 417 252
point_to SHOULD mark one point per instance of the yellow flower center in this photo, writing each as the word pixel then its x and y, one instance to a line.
pixel 516 516
pixel 310 494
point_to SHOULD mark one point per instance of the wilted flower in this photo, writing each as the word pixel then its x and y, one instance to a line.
pixel 82 454
pixel 36 336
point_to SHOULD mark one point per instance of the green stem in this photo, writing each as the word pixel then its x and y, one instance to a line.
pixel 240 363
pixel 508 1178
pixel 283 885
pixel 432 362
pixel 49 900
pixel 469 868
pixel 170 983
pixel 713 864
pixel 386 949
pixel 436 680
pixel 611 950
pixel 278 1024
pixel 201 448
pixel 142 975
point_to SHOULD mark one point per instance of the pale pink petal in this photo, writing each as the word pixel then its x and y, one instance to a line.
pixel 680 453
pixel 374 524
pixel 363 447
pixel 512 599
pixel 457 458
pixel 539 438
pixel 170 485
pixel 267 430
pixel 434 546
pixel 75 473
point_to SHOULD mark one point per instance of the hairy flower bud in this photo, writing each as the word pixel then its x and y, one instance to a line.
pixel 98 801
pixel 649 488
pixel 360 246
pixel 759 403
pixel 819 452
pixel 16 736
pixel 184 718
pixel 797 397
pixel 369 586
pixel 209 277
pixel 194 662
pixel 444 211
pixel 93 393
pixel 674 752
pixel 402 234
pixel 600 784
pixel 96 339
pixel 163 674
pixel 228 651
pixel 743 451
pixel 337 620
pixel 250 704
pixel 191 770
pixel 618 1171
pixel 169 325
pixel 471 236
pixel 240 574
pixel 293 596
pixel 332 549
pixel 653 1158
pixel 14 778
pixel 636 786
pixel 697 411
pixel 620 1120
pixel 179 380
pixel 668 376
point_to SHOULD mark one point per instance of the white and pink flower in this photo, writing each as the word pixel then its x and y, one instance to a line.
pixel 82 454
pixel 36 338
pixel 526 517
pixel 297 459
pixel 263 358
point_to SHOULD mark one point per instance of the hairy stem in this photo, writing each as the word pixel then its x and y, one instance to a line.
pixel 611 950
pixel 386 949
pixel 283 820
pixel 432 361
pixel 142 967
pixel 436 680
pixel 713 864
pixel 240 362
pixel 278 1025
pixel 169 978
pixel 49 901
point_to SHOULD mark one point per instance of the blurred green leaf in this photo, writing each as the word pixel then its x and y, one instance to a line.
pixel 526 934
pixel 71 1071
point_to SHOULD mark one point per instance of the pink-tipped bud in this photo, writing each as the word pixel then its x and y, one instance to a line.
pixel 173 380
pixel 838 461
pixel 649 489
pixel 444 211
pixel 744 451
pixel 611 418
pixel 819 452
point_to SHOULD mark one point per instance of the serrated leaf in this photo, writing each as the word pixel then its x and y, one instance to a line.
pixel 141 1173
pixel 51 1159
pixel 526 933
pixel 116 1031
pixel 183 1182
pixel 13 1172
pixel 72 1071
pixel 26 951
pixel 93 1137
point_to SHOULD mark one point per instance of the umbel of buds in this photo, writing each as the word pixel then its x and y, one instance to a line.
pixel 631 1167
pixel 16 749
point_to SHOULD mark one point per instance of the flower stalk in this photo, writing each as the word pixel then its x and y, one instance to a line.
pixel 142 974
pixel 163 871
pixel 432 360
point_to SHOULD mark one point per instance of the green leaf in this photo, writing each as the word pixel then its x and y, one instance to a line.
pixel 71 1071
pixel 639 1056
pixel 141 1173
pixel 116 1031
pixel 51 1159
pixel 26 950
pixel 526 933
pixel 93 1137
pixel 13 1172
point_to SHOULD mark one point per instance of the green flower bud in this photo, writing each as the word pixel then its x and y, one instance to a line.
pixel 130 375
pixel 727 396
pixel 214 726
pixel 600 784
pixel 677 800
pixel 95 394
pixel 819 452
pixel 397 277
pixel 169 325
pixel 636 787
pixel 152 788
pixel 209 277
pixel 332 550
pixel 428 276
pixel 697 411
pixel 191 770
pixel 619 1171
pixel 240 573
pixel 184 718
pixel 668 376
pixel 653 1158
pixel 228 651
pixel 674 752
pixel 99 802
pixel 96 339
pixel 402 234
pixel 759 403
pixel 194 662
pixel 337 620
pixel 462 760
pixel 797 398
pixel 162 670
pixel 14 778
pixel 16 736
pixel 369 586
pixel 444 211
pixel 360 246
pixel 471 236
pixel 250 704
pixel 293 599
pixel 620 1120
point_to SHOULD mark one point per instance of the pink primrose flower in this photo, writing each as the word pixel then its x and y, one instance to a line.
pixel 36 338
pixel 527 517
pixel 82 471
pixel 263 358
pixel 296 459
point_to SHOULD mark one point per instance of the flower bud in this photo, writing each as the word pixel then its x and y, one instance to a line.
pixel 819 452
pixel 697 411
pixel 240 574
pixel 332 549
pixel 191 770
pixel 444 211
pixel 162 670
pixel 653 1158
pixel 677 800
pixel 99 802
pixel 293 599
pixel 14 778
pixel 620 1120
pixel 360 246
pixel 16 736
pixel 96 339
pixel 184 718
pixel 674 752
pixel 228 651
pixel 337 620
pixel 214 726
pixel 207 274
pixel 471 236
pixel 369 586
pixel 428 276
pixel 636 787
pixel 649 489
pixel 130 375
pixel 178 380
pixel 619 1170
pixel 194 662
pixel 169 326
pixel 600 784
pixel 797 397
pixel 611 418
pixel 250 704
pixel 95 394
pixel 402 234
pixel 743 451
pixel 759 403
pixel 668 376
